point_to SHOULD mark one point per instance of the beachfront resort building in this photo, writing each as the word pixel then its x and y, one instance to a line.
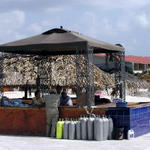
pixel 136 64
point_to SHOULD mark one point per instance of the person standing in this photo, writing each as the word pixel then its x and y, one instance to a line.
pixel 52 113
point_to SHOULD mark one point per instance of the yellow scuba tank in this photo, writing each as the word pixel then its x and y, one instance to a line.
pixel 59 129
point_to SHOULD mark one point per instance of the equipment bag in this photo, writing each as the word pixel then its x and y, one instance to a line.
pixel 118 133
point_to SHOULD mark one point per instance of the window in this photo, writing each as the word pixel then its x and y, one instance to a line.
pixel 141 66
pixel 136 66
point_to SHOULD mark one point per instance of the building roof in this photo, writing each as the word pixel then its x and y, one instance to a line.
pixel 137 59
pixel 58 41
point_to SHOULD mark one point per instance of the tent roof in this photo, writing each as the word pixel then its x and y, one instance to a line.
pixel 58 42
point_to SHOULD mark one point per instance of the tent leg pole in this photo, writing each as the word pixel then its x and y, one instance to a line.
pixel 123 87
pixel 90 77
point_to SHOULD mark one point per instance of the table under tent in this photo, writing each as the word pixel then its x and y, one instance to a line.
pixel 41 51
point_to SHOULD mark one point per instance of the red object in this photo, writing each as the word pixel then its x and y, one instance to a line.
pixel 98 94
pixel 75 112
pixel 137 59
pixel 101 54
pixel 6 89
pixel 22 121
pixel 8 100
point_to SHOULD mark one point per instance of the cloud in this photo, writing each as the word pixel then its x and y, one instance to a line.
pixel 13 19
pixel 123 25
pixel 54 9
pixel 34 28
pixel 117 4
pixel 10 24
pixel 43 25
pixel 59 5
pixel 143 20
pixel 10 35
pixel 31 5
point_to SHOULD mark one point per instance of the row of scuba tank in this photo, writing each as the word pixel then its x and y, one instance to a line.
pixel 85 128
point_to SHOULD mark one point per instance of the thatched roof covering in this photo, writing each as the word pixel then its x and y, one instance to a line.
pixel 18 70
pixel 65 71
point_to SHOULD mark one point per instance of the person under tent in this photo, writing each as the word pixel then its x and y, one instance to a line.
pixel 65 100
pixel 38 100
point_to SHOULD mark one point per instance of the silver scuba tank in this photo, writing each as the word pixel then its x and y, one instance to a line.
pixel 95 128
pixel 111 127
pixel 83 128
pixel 71 130
pixel 66 130
pixel 105 128
pixel 90 128
pixel 98 129
pixel 78 130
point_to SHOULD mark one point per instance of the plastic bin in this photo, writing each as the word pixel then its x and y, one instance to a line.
pixel 121 104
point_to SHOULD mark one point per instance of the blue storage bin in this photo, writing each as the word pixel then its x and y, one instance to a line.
pixel 121 104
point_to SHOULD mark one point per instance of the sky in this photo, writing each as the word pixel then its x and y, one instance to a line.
pixel 115 21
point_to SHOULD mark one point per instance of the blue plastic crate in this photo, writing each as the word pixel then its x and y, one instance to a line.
pixel 121 104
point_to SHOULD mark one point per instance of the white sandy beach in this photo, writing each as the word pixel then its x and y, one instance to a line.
pixel 45 143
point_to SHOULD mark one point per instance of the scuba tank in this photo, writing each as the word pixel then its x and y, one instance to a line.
pixel 59 129
pixel 83 128
pixel 90 128
pixel 98 129
pixel 78 130
pixel 105 128
pixel 111 126
pixel 66 130
pixel 71 130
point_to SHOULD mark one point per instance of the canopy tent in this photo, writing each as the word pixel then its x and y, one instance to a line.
pixel 58 42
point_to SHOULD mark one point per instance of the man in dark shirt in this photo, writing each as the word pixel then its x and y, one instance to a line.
pixel 65 100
